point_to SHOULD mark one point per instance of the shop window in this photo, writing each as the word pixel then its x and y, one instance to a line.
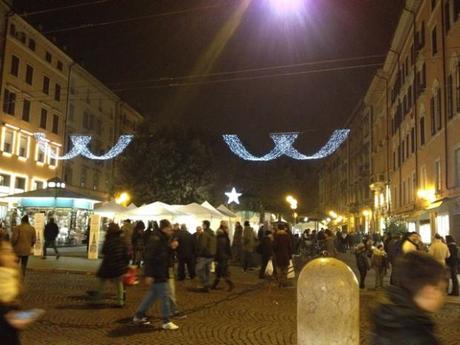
pixel 442 225
pixel 425 231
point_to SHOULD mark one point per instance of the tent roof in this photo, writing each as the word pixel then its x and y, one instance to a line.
pixel 109 207
pixel 51 193
pixel 198 210
pixel 154 209
pixel 207 205
pixel 224 209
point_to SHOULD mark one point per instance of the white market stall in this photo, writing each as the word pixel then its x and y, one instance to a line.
pixel 197 213
pixel 154 211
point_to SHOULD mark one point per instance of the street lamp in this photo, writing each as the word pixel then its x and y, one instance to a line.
pixel 123 199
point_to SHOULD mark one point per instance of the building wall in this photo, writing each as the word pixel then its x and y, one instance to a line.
pixel 44 90
pixel 414 99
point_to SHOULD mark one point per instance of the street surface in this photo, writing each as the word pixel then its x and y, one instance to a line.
pixel 253 314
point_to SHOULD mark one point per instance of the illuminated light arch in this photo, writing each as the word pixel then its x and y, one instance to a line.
pixel 80 147
pixel 283 146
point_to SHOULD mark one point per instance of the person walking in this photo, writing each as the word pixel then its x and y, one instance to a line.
pixel 282 249
pixel 266 252
pixel 137 241
pixel 452 263
pixel 330 244
pixel 249 242
pixel 51 233
pixel 23 239
pixel 439 250
pixel 223 254
pixel 185 254
pixel 379 264
pixel 157 258
pixel 205 253
pixel 114 264
pixel 362 262
pixel 237 243
pixel 173 245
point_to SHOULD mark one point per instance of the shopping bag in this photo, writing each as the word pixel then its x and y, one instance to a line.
pixel 291 270
pixel 130 278
pixel 269 268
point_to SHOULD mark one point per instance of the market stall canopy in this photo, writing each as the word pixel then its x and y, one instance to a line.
pixel 224 210
pixel 132 206
pixel 109 208
pixel 198 210
pixel 155 209
pixel 207 205
pixel 54 196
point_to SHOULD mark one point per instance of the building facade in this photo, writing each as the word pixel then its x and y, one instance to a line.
pixel 414 105
pixel 44 90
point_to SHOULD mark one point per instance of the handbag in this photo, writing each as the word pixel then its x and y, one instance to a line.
pixel 291 270
pixel 269 268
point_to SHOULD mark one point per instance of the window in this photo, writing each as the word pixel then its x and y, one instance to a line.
pixel 20 183
pixel 32 44
pixel 83 176
pixel 53 153
pixel 438 111
pixel 60 66
pixel 5 180
pixel 29 74
pixel 38 185
pixel 40 155
pixel 450 96
pixel 422 36
pixel 26 110
pixel 13 30
pixel 55 128
pixel 71 112
pixel 422 131
pixel 68 175
pixel 57 92
pixel 9 102
pixel 43 118
pixel 14 65
pixel 412 140
pixel 437 175
pixel 457 167
pixel 8 141
pixel 434 42
pixel 46 85
pixel 23 146
pixel 48 57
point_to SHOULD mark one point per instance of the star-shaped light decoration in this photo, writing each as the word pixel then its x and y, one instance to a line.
pixel 233 196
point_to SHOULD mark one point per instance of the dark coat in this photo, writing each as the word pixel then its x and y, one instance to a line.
pixel 51 232
pixel 266 247
pixel 115 261
pixel 157 257
pixel 399 321
pixel 206 244
pixel 282 248
pixel 186 249
pixel 223 251
pixel 238 236
pixel 362 260
pixel 452 260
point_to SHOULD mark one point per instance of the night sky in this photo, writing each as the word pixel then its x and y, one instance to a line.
pixel 137 56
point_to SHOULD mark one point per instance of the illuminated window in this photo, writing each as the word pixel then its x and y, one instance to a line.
pixel 442 225
pixel 425 231
pixel 23 146
pixel 52 161
pixel 39 156
pixel 8 141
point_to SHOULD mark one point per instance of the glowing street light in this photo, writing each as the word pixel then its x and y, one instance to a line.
pixel 286 7
pixel 123 199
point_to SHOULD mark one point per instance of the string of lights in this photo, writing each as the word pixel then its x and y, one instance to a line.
pixel 283 146
pixel 80 147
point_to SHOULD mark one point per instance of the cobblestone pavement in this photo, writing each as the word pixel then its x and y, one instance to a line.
pixel 251 315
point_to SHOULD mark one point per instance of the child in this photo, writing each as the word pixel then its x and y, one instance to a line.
pixel 379 263
pixel 404 317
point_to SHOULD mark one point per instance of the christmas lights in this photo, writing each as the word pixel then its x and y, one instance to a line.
pixel 283 146
pixel 80 147
pixel 233 196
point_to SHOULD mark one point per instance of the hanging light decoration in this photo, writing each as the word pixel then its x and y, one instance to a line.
pixel 80 147
pixel 283 146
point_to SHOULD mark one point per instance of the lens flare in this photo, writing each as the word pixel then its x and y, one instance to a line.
pixel 283 7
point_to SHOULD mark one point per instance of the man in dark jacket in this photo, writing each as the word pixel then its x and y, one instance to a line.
pixel 265 251
pixel 185 253
pixel 157 258
pixel 403 318
pixel 205 252
pixel 51 233
pixel 223 254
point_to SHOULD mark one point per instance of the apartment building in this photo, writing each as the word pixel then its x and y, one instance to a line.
pixel 414 103
pixel 44 90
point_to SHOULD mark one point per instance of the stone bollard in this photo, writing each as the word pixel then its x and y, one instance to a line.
pixel 327 304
